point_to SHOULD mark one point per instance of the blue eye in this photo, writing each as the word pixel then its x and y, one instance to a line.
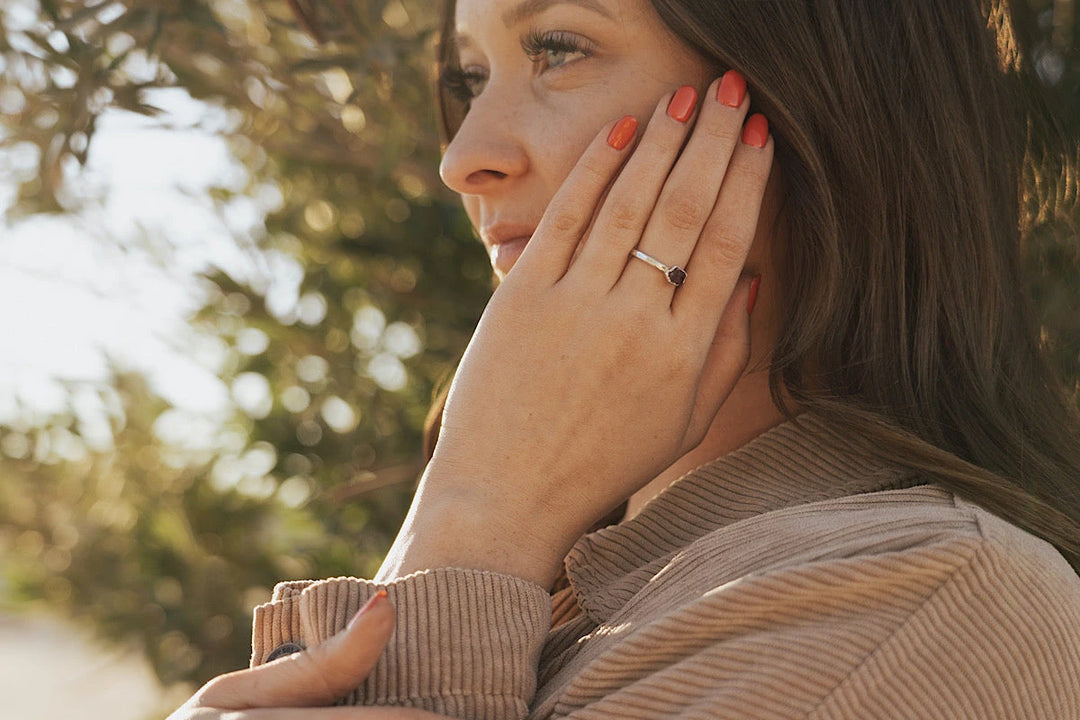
pixel 548 51
pixel 552 50
pixel 556 58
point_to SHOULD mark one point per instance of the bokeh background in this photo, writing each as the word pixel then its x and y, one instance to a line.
pixel 230 281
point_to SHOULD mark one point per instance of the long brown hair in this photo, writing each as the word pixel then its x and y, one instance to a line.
pixel 904 318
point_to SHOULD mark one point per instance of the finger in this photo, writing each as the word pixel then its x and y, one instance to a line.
pixel 625 212
pixel 726 360
pixel 570 212
pixel 690 192
pixel 717 260
pixel 319 675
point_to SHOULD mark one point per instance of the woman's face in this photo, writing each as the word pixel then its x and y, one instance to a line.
pixel 542 77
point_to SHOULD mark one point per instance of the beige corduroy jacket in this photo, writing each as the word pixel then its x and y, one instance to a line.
pixel 793 578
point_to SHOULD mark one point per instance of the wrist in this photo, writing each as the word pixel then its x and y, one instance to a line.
pixel 451 526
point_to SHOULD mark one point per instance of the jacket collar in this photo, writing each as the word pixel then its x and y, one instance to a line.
pixel 797 462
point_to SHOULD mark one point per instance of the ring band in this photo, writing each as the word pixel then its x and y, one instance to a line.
pixel 674 274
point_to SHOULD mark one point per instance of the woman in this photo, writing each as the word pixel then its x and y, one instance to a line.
pixel 880 504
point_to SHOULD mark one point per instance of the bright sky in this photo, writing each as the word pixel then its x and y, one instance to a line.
pixel 83 289
pixel 78 291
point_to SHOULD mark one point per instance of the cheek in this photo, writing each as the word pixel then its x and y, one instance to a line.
pixel 559 143
pixel 563 124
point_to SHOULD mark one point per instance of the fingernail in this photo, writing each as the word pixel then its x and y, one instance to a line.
pixel 751 301
pixel 682 103
pixel 732 89
pixel 376 598
pixel 622 133
pixel 756 131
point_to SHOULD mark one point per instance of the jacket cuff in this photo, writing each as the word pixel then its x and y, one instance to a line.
pixel 467 642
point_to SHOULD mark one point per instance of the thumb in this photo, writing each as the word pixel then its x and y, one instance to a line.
pixel 320 675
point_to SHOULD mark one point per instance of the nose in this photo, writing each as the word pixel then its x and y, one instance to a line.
pixel 488 149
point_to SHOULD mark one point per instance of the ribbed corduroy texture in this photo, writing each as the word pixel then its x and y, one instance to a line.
pixel 470 616
pixel 790 579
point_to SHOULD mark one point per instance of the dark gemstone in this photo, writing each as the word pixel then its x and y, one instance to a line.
pixel 676 276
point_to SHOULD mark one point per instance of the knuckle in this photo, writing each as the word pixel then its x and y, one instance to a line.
pixel 728 246
pixel 660 145
pixel 684 211
pixel 564 221
pixel 753 172
pixel 594 169
pixel 721 128
pixel 622 215
pixel 758 175
pixel 669 143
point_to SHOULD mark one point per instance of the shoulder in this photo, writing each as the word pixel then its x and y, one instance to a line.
pixel 924 539
pixel 909 596
pixel 895 525
pixel 916 532
pixel 996 634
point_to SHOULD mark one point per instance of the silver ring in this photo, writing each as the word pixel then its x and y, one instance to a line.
pixel 674 274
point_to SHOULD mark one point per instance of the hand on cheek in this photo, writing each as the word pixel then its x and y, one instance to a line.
pixel 592 370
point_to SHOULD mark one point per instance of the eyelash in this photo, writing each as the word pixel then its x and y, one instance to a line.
pixel 459 82
pixel 536 43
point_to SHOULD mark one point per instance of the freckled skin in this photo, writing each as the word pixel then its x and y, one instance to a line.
pixel 530 123
pixel 614 375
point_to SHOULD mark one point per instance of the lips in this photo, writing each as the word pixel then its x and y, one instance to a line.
pixel 505 243
pixel 505 254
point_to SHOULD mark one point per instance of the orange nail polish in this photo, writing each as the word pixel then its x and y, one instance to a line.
pixel 377 597
pixel 751 301
pixel 732 89
pixel 622 133
pixel 756 131
pixel 682 103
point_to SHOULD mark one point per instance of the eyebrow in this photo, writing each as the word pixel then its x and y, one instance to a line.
pixel 528 8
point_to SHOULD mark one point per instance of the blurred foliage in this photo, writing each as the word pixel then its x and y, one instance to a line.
pixel 150 540
pixel 1049 35
pixel 155 541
